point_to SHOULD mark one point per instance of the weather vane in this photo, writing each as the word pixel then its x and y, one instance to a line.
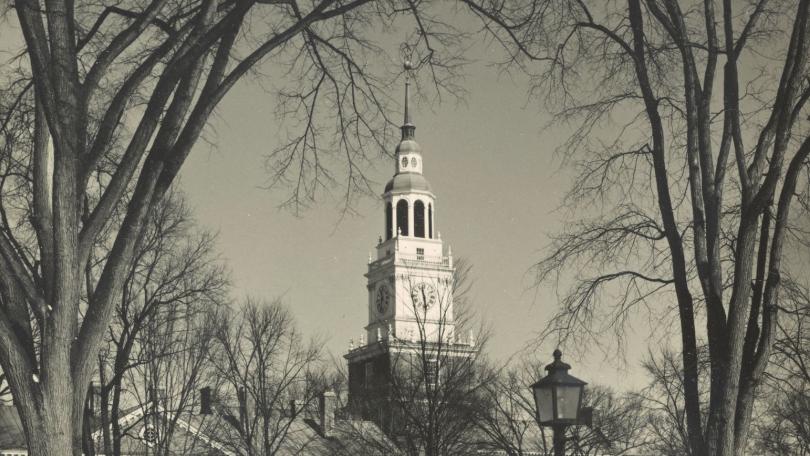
pixel 407 53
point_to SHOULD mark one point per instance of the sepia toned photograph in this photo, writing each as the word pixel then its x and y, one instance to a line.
pixel 405 228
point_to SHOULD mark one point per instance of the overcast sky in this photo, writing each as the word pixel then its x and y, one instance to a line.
pixel 498 183
pixel 498 186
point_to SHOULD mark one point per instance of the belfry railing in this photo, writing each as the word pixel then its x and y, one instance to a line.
pixel 407 259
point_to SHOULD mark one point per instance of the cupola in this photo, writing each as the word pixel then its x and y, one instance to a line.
pixel 409 200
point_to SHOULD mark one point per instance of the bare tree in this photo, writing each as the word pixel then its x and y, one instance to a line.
pixel 508 420
pixel 162 327
pixel 269 377
pixel 619 425
pixel 357 437
pixel 783 425
pixel 694 186
pixel 104 106
pixel 166 388
pixel 427 399
pixel 664 402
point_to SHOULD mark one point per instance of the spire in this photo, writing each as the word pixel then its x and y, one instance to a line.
pixel 407 128
pixel 407 95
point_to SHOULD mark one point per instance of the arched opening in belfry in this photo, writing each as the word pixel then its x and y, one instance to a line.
pixel 430 221
pixel 419 219
pixel 402 217
pixel 389 223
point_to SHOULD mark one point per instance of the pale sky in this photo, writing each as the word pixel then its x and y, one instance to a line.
pixel 498 186
pixel 498 182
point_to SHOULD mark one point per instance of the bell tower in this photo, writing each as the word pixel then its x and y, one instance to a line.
pixel 410 289
pixel 409 283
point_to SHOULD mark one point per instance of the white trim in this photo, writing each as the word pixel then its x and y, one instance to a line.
pixel 196 432
pixel 139 412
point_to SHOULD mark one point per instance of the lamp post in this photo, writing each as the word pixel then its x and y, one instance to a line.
pixel 558 400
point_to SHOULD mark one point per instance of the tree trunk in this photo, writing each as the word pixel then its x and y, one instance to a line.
pixel 114 417
pixel 89 423
pixel 46 433
pixel 678 261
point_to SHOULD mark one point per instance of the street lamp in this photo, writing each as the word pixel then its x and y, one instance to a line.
pixel 558 399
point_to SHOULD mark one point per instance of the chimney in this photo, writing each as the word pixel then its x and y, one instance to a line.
pixel 241 397
pixel 326 412
pixel 91 399
pixel 205 400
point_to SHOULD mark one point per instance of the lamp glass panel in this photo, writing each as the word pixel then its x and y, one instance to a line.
pixel 567 402
pixel 545 403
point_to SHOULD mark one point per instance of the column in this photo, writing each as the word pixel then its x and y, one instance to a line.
pixel 393 218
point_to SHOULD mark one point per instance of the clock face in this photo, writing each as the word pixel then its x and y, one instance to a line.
pixel 383 299
pixel 424 295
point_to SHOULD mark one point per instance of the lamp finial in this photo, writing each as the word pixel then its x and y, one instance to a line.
pixel 408 128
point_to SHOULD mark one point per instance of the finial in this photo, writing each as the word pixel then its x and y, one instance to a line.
pixel 399 231
pixel 369 257
pixel 351 344
pixel 379 334
pixel 408 128
pixel 558 364
pixel 390 331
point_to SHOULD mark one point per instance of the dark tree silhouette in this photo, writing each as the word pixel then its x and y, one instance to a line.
pixel 783 425
pixel 269 376
pixel 691 184
pixel 101 110
pixel 162 328
pixel 509 419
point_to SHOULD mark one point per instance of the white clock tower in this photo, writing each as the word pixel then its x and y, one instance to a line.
pixel 410 292
pixel 410 283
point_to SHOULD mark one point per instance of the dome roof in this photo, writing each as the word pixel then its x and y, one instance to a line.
pixel 407 146
pixel 404 182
